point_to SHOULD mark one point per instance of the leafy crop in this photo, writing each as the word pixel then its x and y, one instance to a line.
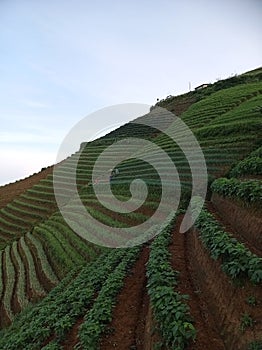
pixel 246 321
pixel 57 312
pixel 170 310
pixel 248 166
pixel 47 269
pixel 248 191
pixel 255 345
pixel 236 260
pixel 33 280
pixel 101 313
pixel 251 165
pixel 10 271
pixel 21 284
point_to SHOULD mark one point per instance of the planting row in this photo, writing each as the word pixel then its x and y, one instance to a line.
pixel 218 103
pixel 249 192
pixel 57 313
pixel 170 310
pixel 100 314
pixel 21 265
pixel 236 260
pixel 252 165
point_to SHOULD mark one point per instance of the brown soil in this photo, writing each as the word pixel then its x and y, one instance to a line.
pixel 12 190
pixel 115 216
pixel 246 221
pixel 180 106
pixel 226 302
pixel 15 304
pixel 58 270
pixel 43 279
pixel 129 315
pixel 216 304
pixel 4 319
pixel 127 328
pixel 72 336
pixel 125 219
pixel 207 334
pixel 230 229
pixel 29 292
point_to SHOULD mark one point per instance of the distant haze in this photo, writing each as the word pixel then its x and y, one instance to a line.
pixel 62 60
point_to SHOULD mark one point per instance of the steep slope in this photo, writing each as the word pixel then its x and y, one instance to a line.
pixel 38 248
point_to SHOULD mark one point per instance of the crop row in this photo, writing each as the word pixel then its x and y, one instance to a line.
pixel 57 248
pixel 20 279
pixel 170 309
pixel 100 314
pixel 57 312
pixel 219 103
pixel 21 282
pixel 237 261
pixel 251 165
pixel 1 272
pixel 248 166
pixel 33 280
pixel 9 283
pixel 249 192
pixel 45 266
pixel 247 110
pixel 233 128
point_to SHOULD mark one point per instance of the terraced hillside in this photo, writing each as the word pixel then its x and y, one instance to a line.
pixel 193 290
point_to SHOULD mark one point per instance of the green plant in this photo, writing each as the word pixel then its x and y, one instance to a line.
pixel 251 165
pixel 57 312
pixel 255 345
pixel 249 192
pixel 158 346
pixel 246 322
pixel 236 260
pixel 251 300
pixel 101 313
pixel 170 310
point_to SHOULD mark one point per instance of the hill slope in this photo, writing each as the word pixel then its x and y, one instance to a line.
pixel 75 284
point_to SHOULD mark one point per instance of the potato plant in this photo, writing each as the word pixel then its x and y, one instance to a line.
pixel 237 261
pixel 249 192
pixel 101 313
pixel 171 312
pixel 57 312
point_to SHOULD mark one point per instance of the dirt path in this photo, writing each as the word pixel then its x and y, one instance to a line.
pixel 129 315
pixel 72 336
pixel 12 190
pixel 126 331
pixel 207 335
pixel 129 327
pixel 226 301
pixel 230 229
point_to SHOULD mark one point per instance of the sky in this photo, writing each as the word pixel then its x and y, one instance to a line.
pixel 62 60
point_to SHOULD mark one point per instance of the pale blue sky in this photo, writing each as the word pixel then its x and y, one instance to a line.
pixel 61 60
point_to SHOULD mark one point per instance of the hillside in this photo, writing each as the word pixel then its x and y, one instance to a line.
pixel 193 290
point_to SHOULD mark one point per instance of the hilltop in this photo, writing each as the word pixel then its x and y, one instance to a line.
pixel 193 290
